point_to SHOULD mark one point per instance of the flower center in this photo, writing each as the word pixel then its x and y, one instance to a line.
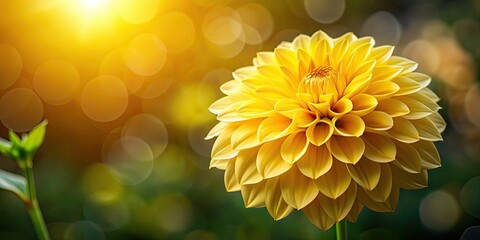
pixel 319 82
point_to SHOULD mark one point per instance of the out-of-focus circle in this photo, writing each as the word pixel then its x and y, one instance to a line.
pixel 472 99
pixel 470 197
pixel 172 213
pixel 113 64
pixel 137 11
pixel 146 54
pixel 384 27
pixel 20 109
pixel 110 216
pixel 208 3
pixel 196 135
pixel 258 22
pixel 285 35
pixel 227 51
pixel 201 235
pixel 100 185
pixel 104 98
pixel 194 107
pixel 10 66
pixel 439 211
pixel 56 82
pixel 177 31
pixel 425 54
pixel 222 26
pixel 154 86
pixel 131 160
pixel 84 230
pixel 325 11
pixel 148 128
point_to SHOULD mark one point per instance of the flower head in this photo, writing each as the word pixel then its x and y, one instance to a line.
pixel 327 126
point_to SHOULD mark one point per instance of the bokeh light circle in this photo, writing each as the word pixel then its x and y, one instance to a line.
pixel 104 98
pixel 148 128
pixel 177 31
pixel 146 54
pixel 20 109
pixel 384 27
pixel 110 216
pixel 137 11
pixel 439 211
pixel 472 99
pixel 84 230
pixel 56 82
pixel 258 22
pixel 425 54
pixel 100 184
pixel 470 197
pixel 325 11
pixel 10 66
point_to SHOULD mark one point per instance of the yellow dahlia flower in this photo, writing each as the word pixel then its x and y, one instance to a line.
pixel 326 126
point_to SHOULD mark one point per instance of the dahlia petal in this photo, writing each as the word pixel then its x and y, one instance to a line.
pixel 403 130
pixel 286 57
pixel 221 104
pixel 385 206
pixel 379 148
pixel 297 190
pixel 294 146
pixel 377 120
pixel 339 208
pixel 290 76
pixel 349 125
pixel 304 118
pixel 381 54
pixel 407 64
pixel 301 42
pixel 427 92
pixel 254 194
pixel 320 51
pixel 407 85
pixel 216 130
pixel 318 216
pixel 266 58
pixel 231 87
pixel 428 153
pixel 384 187
pixel 321 108
pixel 245 136
pixel 385 72
pixel 288 107
pixel 276 205
pixel 269 161
pixel 275 127
pixel 408 180
pixel 356 57
pixel 271 74
pixel 274 93
pixel 417 109
pixel 354 212
pixel 358 84
pixel 421 78
pixel 339 49
pixel 363 104
pixel 218 164
pixel 393 107
pixel 342 107
pixel 382 89
pixel 222 148
pixel 244 72
pixel 231 182
pixel 319 133
pixel 230 114
pixel 315 162
pixel 255 108
pixel 305 63
pixel 347 149
pixel 366 173
pixel 364 68
pixel 245 167
pixel 318 37
pixel 438 121
pixel 427 129
pixel 407 158
pixel 335 182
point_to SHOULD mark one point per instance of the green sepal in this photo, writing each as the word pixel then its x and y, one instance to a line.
pixel 34 139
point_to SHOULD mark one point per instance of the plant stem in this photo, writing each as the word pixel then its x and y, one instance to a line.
pixel 341 228
pixel 32 203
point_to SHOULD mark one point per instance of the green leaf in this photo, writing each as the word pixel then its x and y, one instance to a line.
pixel 5 147
pixel 14 139
pixel 35 138
pixel 13 183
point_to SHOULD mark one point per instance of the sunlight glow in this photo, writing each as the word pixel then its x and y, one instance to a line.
pixel 94 4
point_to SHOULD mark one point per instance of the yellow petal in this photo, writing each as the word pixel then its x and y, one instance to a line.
pixel 320 50
pixel 319 133
pixel 222 149
pixel 407 64
pixel 349 125
pixel 254 195
pixel 269 161
pixel 363 104
pixel 339 49
pixel 438 121
pixel 403 130
pixel 244 72
pixel 273 93
pixel 393 107
pixel 346 149
pixel 315 162
pixel 301 42
pixel 286 57
pixel 216 130
pixel 318 216
pixel 230 114
pixel 366 173
pixel 354 212
pixel 275 127
pixel 417 109
pixel 382 89
pixel 379 148
pixel 407 85
pixel 377 120
pixel 245 136
pixel 305 63
pixel 339 208
pixel 231 182
pixel 294 146
pixel 255 108
pixel 385 72
pixel 276 205
pixel 266 58
pixel 335 182
pixel 297 190
pixel 428 153
pixel 382 191
pixel 358 84
pixel 288 107
pixel 245 167
pixel 429 94
pixel 427 129
pixel 407 158
pixel 381 54
pixel 364 68
pixel 218 164
pixel 221 104
pixel 408 180
pixel 421 78
pixel 386 206
pixel 342 107
pixel 304 118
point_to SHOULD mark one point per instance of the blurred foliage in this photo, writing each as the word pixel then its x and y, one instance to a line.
pixel 126 85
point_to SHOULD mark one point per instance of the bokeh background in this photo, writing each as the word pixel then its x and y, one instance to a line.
pixel 125 86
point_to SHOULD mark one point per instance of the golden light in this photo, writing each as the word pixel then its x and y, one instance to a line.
pixel 93 5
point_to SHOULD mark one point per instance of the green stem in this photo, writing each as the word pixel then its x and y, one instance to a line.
pixel 341 228
pixel 32 203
